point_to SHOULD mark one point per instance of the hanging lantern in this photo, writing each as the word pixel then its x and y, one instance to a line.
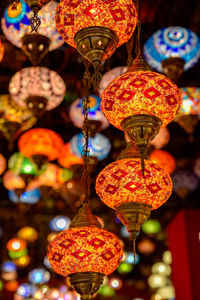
pixel 172 50
pixel 81 25
pixel 14 119
pixel 161 139
pixel 99 145
pixel 3 164
pixel 23 261
pixel 184 182
pixel 161 268
pixel 25 290
pixel 121 186
pixel 28 234
pixel 37 88
pixel 67 158
pixel 28 197
pixel 16 244
pixel 12 181
pixel 16 27
pixel 163 159
pixel 156 281
pixel 1 50
pixel 151 226
pixel 8 266
pixel 139 102
pixel 39 276
pixel 85 253
pixel 40 144
pixel 97 121
pixel 109 76
pixel 59 223
pixel 189 113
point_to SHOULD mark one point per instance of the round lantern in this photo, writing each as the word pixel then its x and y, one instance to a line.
pixel 39 276
pixel 122 186
pixel 163 159
pixel 81 25
pixel 157 281
pixel 3 164
pixel 189 113
pixel 161 139
pixel 27 233
pixel 151 226
pixel 59 223
pixel 8 266
pixel 166 292
pixel 95 116
pixel 67 158
pixel 29 197
pixel 23 261
pixel 99 145
pixel 1 50
pixel 25 290
pixel 161 268
pixel 16 244
pixel 38 88
pixel 40 144
pixel 13 181
pixel 172 49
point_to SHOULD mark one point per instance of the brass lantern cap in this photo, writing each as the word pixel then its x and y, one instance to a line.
pixel 131 151
pixel 86 283
pixel 138 64
pixel 173 68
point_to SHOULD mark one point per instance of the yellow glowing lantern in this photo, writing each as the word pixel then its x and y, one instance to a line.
pixel 23 261
pixel 164 159
pixel 27 233
pixel 16 244
pixel 161 268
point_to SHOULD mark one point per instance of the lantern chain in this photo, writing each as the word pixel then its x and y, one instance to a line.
pixel 35 20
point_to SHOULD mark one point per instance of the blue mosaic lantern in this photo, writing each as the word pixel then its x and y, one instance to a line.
pixel 172 42
pixel 99 145
pixel 29 197
pixel 39 276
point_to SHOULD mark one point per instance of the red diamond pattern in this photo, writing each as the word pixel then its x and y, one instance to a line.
pixel 126 95
pixel 119 174
pixel 113 89
pixel 132 186
pixel 109 105
pixel 81 233
pixel 150 75
pixel 68 19
pixel 151 93
pixel 117 14
pixel 67 244
pixel 74 3
pixel 96 243
pixel 57 257
pixel 154 188
pixel 156 167
pixel 164 84
pixel 81 254
pixel 107 255
pixel 129 28
pixel 101 179
pixel 138 82
pixel 147 174
pixel 125 77
pixel 111 189
pixel 117 247
pixel 92 10
pixel 165 180
pixel 130 9
pixel 171 99
pixel 131 164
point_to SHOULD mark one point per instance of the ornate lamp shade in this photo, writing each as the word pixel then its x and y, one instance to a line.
pixel 95 116
pixel 163 159
pixel 99 145
pixel 1 50
pixel 121 186
pixel 172 49
pixel 28 197
pixel 80 25
pixel 189 112
pixel 109 76
pixel 67 158
pixel 39 276
pixel 41 142
pixel 13 181
pixel 184 182
pixel 3 164
pixel 38 88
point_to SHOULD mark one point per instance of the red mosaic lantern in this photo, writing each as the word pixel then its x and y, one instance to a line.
pixel 163 159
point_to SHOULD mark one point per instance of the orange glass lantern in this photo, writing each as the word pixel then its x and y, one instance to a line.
pixel 41 143
pixel 16 244
pixel 81 25
pixel 67 157
pixel 163 159
pixel 12 181
pixel 11 286
pixel 122 186
pixel 85 253
pixel 3 164
pixel 27 233
pixel 1 50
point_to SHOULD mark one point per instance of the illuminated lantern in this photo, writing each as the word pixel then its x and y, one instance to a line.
pixel 16 244
pixel 161 139
pixel 184 181
pixel 151 226
pixel 28 197
pixel 163 159
pixel 25 290
pixel 161 268
pixel 39 276
pixel 95 115
pixel 16 27
pixel 85 253
pixel 125 267
pixel 106 291
pixel 23 261
pixel 109 76
pixel 11 286
pixel 1 50
pixel 121 186
pixel 131 259
pixel 14 119
pixel 116 283
pixel 172 50
pixel 99 145
pixel 81 25
pixel 59 223
pixel 37 88
pixel 166 292
pixel 8 276
pixel 28 234
pixel 3 164
pixel 167 257
pixel 12 181
pixel 41 144
pixel 157 281
pixel 189 113
pixel 8 266
pixel 67 158
pixel 17 254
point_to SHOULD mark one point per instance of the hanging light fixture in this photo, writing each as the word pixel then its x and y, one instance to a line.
pixel 37 88
pixel 172 50
pixel 80 25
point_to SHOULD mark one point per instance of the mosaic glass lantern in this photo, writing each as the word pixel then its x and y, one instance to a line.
pixel 189 113
pixel 172 50
pixel 81 25
pixel 28 197
pixel 99 145
pixel 95 116
pixel 1 50
pixel 13 181
pixel 39 276
pixel 37 88
pixel 163 159
pixel 67 158
pixel 85 253
pixel 121 186
pixel 16 27
pixel 3 164
pixel 41 144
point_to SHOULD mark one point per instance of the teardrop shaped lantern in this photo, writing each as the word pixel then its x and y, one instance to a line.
pixel 85 253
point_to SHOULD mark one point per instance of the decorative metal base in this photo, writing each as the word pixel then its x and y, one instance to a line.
pixel 35 46
pixel 173 67
pixel 40 160
pixel 133 215
pixel 131 151
pixel 37 105
pixel 139 64
pixel 86 283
